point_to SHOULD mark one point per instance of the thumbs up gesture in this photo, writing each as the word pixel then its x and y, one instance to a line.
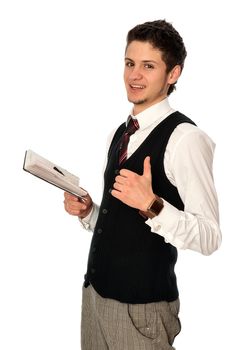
pixel 133 189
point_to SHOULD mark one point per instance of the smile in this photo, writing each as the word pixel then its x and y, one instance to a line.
pixel 135 86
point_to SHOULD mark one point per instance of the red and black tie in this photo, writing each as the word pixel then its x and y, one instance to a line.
pixel 132 126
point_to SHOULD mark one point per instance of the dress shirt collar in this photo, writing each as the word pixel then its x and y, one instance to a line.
pixel 154 114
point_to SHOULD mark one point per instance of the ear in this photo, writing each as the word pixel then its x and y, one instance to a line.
pixel 174 75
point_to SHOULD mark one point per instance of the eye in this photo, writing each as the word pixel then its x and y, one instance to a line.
pixel 129 64
pixel 148 66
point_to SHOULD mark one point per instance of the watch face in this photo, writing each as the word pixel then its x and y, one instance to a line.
pixel 154 209
pixel 156 206
pixel 151 214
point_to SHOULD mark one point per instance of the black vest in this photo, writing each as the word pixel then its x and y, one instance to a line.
pixel 127 261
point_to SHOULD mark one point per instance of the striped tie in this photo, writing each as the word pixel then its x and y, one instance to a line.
pixel 132 126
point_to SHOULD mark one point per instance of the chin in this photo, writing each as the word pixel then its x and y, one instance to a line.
pixel 136 101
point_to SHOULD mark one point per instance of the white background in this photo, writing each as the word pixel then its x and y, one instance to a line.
pixel 62 92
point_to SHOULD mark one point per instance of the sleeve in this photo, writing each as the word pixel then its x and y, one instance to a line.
pixel 89 222
pixel 191 170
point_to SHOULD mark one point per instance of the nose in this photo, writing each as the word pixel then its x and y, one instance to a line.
pixel 135 74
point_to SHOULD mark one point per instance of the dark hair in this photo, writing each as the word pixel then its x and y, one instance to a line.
pixel 163 36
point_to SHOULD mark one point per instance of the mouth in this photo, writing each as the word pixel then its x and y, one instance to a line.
pixel 137 86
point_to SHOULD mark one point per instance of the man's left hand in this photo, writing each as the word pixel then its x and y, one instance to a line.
pixel 133 189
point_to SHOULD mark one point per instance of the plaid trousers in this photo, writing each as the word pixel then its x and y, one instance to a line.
pixel 110 325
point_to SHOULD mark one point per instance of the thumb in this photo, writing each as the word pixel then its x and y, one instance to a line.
pixel 147 168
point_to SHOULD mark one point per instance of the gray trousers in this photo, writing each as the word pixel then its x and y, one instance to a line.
pixel 110 325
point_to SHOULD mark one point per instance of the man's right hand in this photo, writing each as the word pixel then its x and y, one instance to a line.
pixel 76 206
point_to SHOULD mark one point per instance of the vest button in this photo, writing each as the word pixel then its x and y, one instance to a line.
pixel 92 270
pixel 104 211
pixel 99 230
pixel 116 171
pixel 93 249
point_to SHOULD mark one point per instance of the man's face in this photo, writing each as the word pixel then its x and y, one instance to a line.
pixel 145 75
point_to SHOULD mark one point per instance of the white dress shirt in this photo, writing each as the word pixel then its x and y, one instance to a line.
pixel 188 163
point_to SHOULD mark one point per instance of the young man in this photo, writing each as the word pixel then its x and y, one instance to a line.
pixel 159 195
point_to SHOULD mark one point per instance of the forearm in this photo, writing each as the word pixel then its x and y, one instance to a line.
pixel 186 231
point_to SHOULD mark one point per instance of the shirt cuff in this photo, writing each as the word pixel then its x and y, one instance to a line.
pixel 165 224
pixel 88 223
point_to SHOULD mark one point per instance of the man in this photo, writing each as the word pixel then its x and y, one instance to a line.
pixel 159 195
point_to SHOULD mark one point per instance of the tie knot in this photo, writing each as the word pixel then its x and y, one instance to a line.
pixel 132 126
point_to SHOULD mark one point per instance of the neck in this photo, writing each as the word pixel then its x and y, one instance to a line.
pixel 138 108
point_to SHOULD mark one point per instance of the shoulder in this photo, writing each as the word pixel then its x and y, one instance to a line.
pixel 187 134
pixel 114 136
pixel 116 133
pixel 188 140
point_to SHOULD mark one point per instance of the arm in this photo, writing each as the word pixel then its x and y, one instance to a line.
pixel 197 227
pixel 86 210
pixel 190 169
pixel 74 206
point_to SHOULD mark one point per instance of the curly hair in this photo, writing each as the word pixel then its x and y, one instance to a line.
pixel 163 36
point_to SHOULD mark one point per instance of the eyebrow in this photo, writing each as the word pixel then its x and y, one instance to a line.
pixel 144 61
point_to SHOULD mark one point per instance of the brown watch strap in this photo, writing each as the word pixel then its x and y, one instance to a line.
pixel 153 209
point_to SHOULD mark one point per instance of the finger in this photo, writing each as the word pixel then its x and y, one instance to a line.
pixel 67 195
pixel 126 172
pixel 75 205
pixel 73 211
pixel 117 186
pixel 70 196
pixel 116 194
pixel 147 168
pixel 78 206
pixel 120 179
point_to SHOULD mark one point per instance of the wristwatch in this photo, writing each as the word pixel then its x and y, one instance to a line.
pixel 154 208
